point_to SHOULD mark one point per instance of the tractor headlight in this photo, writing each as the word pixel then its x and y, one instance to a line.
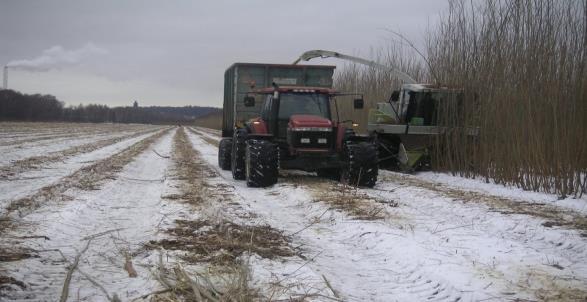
pixel 305 140
pixel 322 141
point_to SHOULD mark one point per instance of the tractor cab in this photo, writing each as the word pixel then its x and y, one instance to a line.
pixel 298 118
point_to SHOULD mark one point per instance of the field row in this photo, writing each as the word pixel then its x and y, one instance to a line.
pixel 152 216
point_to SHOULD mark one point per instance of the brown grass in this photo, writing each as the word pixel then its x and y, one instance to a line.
pixel 6 283
pixel 223 242
pixel 344 197
pixel 191 170
pixel 214 241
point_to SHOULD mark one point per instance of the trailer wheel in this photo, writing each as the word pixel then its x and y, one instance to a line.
pixel 362 168
pixel 224 153
pixel 261 163
pixel 238 154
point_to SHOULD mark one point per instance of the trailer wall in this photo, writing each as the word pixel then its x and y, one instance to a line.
pixel 242 78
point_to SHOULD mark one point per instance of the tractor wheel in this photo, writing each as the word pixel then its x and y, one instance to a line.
pixel 330 173
pixel 224 153
pixel 261 163
pixel 362 167
pixel 239 145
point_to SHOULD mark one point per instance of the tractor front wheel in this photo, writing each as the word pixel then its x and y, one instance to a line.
pixel 261 163
pixel 362 164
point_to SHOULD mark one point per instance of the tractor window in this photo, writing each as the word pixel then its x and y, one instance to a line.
pixel 266 109
pixel 307 103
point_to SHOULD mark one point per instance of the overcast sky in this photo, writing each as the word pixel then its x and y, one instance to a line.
pixel 175 52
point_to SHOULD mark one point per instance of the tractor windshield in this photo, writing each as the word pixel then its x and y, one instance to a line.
pixel 303 103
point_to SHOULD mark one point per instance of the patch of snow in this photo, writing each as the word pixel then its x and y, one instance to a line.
pixel 429 247
pixel 130 210
pixel 479 185
pixel 29 182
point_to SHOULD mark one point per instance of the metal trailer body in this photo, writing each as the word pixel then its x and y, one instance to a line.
pixel 242 78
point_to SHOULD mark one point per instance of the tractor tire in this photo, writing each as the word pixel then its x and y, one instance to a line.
pixel 237 158
pixel 225 153
pixel 330 173
pixel 261 163
pixel 362 164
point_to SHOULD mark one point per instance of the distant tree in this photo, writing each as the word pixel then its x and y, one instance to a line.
pixel 15 106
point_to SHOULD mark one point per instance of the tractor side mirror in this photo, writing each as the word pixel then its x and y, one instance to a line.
pixel 394 96
pixel 358 103
pixel 249 101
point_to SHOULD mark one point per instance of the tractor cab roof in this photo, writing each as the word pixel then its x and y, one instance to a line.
pixel 296 89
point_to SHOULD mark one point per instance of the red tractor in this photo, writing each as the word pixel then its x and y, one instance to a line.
pixel 295 129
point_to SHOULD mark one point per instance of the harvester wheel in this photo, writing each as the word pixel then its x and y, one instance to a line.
pixel 239 145
pixel 362 167
pixel 261 163
pixel 224 153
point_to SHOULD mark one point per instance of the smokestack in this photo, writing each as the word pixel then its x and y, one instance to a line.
pixel 5 77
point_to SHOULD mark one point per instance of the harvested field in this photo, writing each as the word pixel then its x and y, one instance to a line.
pixel 150 217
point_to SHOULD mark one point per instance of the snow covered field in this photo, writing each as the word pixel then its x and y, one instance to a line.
pixel 121 215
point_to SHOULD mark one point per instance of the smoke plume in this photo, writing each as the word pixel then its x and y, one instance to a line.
pixel 57 56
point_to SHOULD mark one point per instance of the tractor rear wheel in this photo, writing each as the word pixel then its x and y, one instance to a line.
pixel 362 164
pixel 224 153
pixel 261 163
pixel 239 144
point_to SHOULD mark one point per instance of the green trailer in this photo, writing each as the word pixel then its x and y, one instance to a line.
pixel 242 78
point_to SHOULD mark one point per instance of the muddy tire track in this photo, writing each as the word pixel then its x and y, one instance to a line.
pixel 205 136
pixel 86 178
pixel 27 164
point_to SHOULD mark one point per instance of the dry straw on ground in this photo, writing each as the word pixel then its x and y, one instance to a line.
pixel 212 241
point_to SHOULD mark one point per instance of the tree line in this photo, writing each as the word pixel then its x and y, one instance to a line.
pixel 16 106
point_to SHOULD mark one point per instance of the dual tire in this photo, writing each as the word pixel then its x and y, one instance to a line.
pixel 362 164
pixel 237 162
pixel 261 163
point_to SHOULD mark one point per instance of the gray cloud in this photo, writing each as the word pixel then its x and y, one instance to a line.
pixel 183 47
